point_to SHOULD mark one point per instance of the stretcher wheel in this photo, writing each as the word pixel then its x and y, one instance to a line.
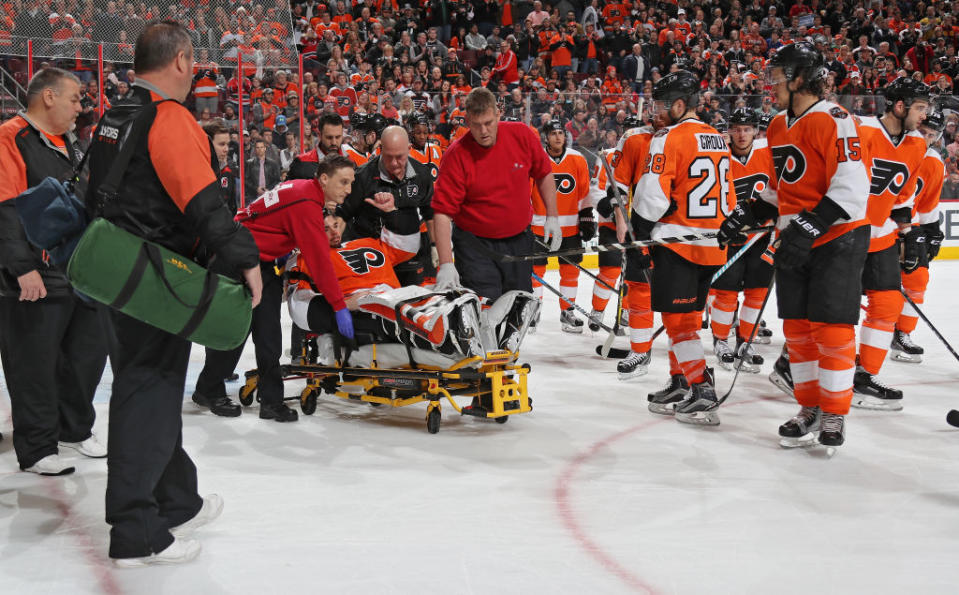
pixel 308 401
pixel 433 421
pixel 502 419
pixel 372 404
pixel 247 393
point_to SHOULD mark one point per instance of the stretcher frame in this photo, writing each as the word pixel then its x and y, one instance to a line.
pixel 496 382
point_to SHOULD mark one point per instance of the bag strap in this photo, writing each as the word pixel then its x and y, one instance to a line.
pixel 108 189
pixel 149 255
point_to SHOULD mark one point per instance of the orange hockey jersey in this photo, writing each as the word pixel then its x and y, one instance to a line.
pixel 571 173
pixel 365 263
pixel 932 174
pixel 358 159
pixel 626 161
pixel 753 175
pixel 819 154
pixel 686 174
pixel 431 155
pixel 893 170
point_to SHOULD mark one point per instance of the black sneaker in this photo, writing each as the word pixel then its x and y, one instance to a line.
pixel 277 412
pixel 222 405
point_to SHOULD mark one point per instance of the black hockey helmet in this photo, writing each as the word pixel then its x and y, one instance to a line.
pixel 935 120
pixel 798 59
pixel 631 121
pixel 907 90
pixel 376 123
pixel 415 120
pixel 510 119
pixel 743 116
pixel 681 84
pixel 722 125
pixel 551 125
pixel 763 121
pixel 359 121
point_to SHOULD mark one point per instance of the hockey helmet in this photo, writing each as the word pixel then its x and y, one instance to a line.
pixel 631 121
pixel 681 84
pixel 935 120
pixel 721 125
pixel 510 119
pixel 907 90
pixel 764 120
pixel 359 121
pixel 552 125
pixel 799 59
pixel 743 116
pixel 415 120
pixel 377 123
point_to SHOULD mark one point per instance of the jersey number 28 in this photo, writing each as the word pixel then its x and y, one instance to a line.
pixel 706 199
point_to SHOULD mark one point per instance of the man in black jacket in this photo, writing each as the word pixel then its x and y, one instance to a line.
pixel 169 193
pixel 410 183
pixel 262 173
pixel 52 344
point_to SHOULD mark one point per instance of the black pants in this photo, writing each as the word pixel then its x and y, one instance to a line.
pixel 267 338
pixel 749 272
pixel 488 277
pixel 53 352
pixel 151 481
pixel 678 285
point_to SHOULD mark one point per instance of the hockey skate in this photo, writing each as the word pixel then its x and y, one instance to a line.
pixel 781 375
pixel 700 406
pixel 802 429
pixel 724 353
pixel 904 350
pixel 634 366
pixel 832 432
pixel 595 319
pixel 664 401
pixel 569 322
pixel 751 361
pixel 868 392
pixel 764 335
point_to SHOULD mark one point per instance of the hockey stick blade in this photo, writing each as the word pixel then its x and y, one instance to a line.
pixel 618 353
pixel 952 418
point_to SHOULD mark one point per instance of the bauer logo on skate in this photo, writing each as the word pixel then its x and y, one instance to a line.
pixel 712 143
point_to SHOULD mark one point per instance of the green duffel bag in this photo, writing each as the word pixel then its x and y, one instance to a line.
pixel 159 287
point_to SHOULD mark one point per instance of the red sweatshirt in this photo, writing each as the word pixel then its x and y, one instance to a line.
pixel 486 191
pixel 291 216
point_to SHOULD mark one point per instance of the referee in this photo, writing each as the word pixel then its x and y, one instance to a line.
pixel 52 344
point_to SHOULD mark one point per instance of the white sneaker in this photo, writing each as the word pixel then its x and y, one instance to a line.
pixel 181 550
pixel 211 509
pixel 91 447
pixel 51 465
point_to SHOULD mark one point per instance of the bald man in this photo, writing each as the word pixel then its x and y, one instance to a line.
pixel 410 183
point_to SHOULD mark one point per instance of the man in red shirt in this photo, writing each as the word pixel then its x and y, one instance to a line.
pixel 287 217
pixel 506 66
pixel 484 187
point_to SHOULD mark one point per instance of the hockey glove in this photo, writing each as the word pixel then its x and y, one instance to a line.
pixel 729 231
pixel 344 323
pixel 642 228
pixel 587 225
pixel 608 203
pixel 934 237
pixel 912 249
pixel 552 233
pixel 797 238
pixel 447 278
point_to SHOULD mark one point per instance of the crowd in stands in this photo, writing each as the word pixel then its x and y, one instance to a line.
pixel 589 63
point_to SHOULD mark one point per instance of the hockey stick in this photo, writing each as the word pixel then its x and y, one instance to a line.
pixel 619 353
pixel 562 297
pixel 725 268
pixel 752 335
pixel 582 268
pixel 926 320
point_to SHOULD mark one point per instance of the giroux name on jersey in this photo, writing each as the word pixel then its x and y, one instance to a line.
pixel 711 142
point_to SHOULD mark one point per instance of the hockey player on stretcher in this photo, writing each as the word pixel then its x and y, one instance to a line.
pixel 452 325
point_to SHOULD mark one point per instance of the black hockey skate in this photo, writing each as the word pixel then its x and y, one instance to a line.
pixel 781 376
pixel 801 429
pixel 833 430
pixel 569 322
pixel 664 401
pixel 634 366
pixel 764 335
pixel 904 350
pixel 868 392
pixel 724 353
pixel 700 406
pixel 751 361
pixel 595 318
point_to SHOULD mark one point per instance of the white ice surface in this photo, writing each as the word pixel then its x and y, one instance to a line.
pixel 589 493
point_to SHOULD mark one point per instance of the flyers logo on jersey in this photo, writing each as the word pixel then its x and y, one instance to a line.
pixel 888 174
pixel 361 260
pixel 565 183
pixel 789 162
pixel 749 187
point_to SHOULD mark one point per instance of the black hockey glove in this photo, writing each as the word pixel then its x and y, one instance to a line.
pixel 912 249
pixel 642 228
pixel 797 238
pixel 934 237
pixel 729 231
pixel 587 225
